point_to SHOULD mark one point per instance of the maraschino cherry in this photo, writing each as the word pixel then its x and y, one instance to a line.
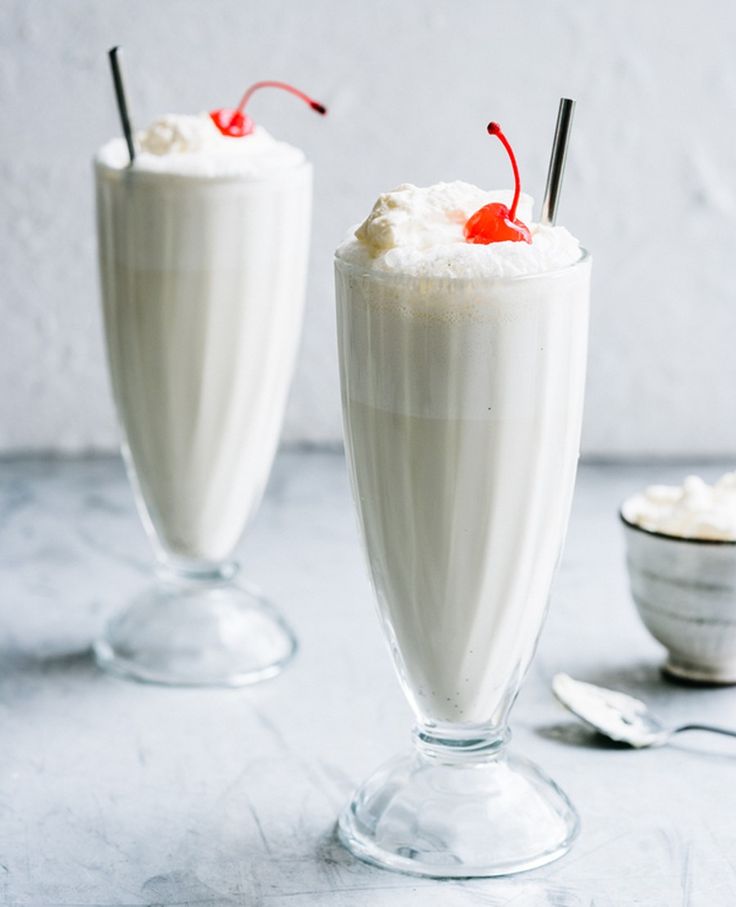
pixel 236 123
pixel 496 222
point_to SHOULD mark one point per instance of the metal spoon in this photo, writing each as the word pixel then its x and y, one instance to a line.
pixel 618 716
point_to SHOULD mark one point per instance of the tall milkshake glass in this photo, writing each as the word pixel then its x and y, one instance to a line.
pixel 203 263
pixel 462 402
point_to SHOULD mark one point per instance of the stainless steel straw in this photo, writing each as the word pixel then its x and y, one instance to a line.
pixel 117 78
pixel 557 161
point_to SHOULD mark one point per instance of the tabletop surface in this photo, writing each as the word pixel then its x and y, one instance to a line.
pixel 113 793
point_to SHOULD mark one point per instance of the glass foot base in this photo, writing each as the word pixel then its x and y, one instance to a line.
pixel 446 820
pixel 182 634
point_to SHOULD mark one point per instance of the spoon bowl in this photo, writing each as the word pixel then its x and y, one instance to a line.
pixel 618 716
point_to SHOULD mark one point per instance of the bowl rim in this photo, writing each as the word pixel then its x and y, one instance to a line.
pixel 672 538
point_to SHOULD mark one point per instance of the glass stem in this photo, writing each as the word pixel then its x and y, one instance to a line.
pixel 458 743
pixel 195 573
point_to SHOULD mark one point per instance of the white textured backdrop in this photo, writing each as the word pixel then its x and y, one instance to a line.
pixel 651 185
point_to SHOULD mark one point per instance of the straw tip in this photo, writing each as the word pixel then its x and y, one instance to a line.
pixel 320 108
pixel 493 129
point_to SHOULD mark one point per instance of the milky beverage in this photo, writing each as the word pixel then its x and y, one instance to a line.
pixel 203 252
pixel 462 372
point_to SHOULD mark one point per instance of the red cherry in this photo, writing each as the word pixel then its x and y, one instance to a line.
pixel 497 222
pixel 232 122
pixel 493 223
pixel 236 123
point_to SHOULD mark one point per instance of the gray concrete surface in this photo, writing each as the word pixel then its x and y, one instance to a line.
pixel 117 794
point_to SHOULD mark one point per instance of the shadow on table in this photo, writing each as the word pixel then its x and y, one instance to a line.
pixel 76 664
pixel 332 855
pixel 646 679
pixel 575 733
pixel 345 872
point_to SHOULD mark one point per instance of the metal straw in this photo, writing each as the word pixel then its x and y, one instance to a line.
pixel 117 78
pixel 557 161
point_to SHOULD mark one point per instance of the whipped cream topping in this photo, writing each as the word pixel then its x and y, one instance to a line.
pixel 692 510
pixel 193 146
pixel 419 231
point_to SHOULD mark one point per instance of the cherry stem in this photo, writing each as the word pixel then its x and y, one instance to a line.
pixel 315 105
pixel 495 129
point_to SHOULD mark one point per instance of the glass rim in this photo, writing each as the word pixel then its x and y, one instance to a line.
pixel 363 270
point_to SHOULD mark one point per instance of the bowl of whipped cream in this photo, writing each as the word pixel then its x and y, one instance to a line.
pixel 681 558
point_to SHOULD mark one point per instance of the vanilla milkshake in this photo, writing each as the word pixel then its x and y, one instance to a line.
pixel 462 376
pixel 203 253
pixel 462 333
pixel 203 243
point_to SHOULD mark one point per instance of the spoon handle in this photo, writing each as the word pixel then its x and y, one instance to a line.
pixel 706 727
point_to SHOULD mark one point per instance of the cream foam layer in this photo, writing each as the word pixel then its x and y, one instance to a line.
pixel 691 510
pixel 188 145
pixel 419 232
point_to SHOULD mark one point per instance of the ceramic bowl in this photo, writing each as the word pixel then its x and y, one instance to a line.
pixel 685 591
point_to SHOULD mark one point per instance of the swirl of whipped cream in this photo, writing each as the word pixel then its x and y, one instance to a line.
pixel 419 231
pixel 189 145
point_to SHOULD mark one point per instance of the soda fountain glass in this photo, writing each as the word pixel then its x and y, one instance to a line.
pixel 203 288
pixel 462 405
